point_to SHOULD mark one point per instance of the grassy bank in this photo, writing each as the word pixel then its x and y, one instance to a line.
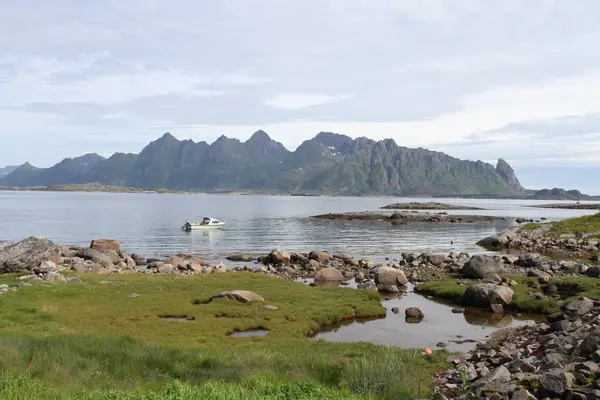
pixel 78 338
pixel 570 289
pixel 585 225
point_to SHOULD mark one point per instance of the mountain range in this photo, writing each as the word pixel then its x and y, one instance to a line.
pixel 329 163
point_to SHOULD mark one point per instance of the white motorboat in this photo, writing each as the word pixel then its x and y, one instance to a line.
pixel 207 223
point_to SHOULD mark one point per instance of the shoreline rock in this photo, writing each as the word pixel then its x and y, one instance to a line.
pixel 404 217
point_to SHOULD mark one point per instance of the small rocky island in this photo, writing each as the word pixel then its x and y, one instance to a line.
pixel 565 206
pixel 431 205
pixel 405 217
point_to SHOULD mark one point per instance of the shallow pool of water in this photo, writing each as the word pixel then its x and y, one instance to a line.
pixel 254 332
pixel 460 332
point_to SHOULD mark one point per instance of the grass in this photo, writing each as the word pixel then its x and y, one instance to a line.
pixel 262 388
pixel 585 224
pixel 78 338
pixel 570 288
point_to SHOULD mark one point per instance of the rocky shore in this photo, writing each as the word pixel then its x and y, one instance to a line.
pixel 405 217
pixel 432 205
pixel 536 238
pixel 554 360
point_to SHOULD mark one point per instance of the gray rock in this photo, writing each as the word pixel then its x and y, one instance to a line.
pixel 96 257
pixel 166 269
pixel 28 254
pixel 499 375
pixel 396 310
pixel 24 284
pixel 528 261
pixel 590 344
pixel 482 266
pixel 414 312
pixel 139 259
pixel 522 394
pixel 388 288
pixel 74 279
pixel 560 326
pixel 484 294
pixel 369 285
pixel 592 272
pixel 390 276
pixel 555 382
pixel 579 307
pixel 239 257
pixel 437 259
pixel 537 273
pixel 500 240
pixel 269 307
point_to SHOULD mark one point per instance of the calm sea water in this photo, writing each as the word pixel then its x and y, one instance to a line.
pixel 151 223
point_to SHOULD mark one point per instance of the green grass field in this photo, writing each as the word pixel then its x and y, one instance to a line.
pixel 72 340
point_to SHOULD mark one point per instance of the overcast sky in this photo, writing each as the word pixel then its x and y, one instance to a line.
pixel 478 79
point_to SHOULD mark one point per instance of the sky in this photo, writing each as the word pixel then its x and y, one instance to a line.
pixel 477 79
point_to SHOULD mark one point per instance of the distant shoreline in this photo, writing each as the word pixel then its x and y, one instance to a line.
pixel 99 188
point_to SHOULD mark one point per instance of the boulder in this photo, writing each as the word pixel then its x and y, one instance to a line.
pixel 484 294
pixel 579 307
pixel 239 257
pixel 497 376
pixel 130 262
pixel 139 259
pixel 320 256
pixel 522 394
pixel 537 273
pixel 388 288
pixel 279 257
pixel 555 382
pixel 503 239
pixel 390 276
pixel 243 296
pixel 482 266
pixel 28 254
pixel 528 260
pixel 329 274
pixel 368 264
pixel 414 312
pixel 437 259
pixel 166 269
pixel 593 272
pixel 104 245
pixel 95 256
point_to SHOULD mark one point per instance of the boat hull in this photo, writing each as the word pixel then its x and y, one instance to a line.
pixel 198 227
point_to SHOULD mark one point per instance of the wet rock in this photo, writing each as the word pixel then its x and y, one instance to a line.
pixel 458 311
pixel 396 310
pixel 388 288
pixel 329 274
pixel 482 267
pixel 28 254
pixel 484 294
pixel 239 257
pixel 243 296
pixel 369 285
pixel 497 308
pixel 414 312
pixel 390 276
pixel 107 245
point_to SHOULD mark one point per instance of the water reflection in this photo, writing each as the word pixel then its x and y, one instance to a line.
pixel 459 331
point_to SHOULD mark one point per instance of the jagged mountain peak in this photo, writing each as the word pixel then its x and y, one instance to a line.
pixel 508 174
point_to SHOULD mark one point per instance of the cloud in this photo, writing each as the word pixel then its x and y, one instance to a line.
pixel 296 101
pixel 508 79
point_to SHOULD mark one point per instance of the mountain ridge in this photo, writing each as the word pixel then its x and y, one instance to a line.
pixel 329 163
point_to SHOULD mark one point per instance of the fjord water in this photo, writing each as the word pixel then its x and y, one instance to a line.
pixel 151 223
